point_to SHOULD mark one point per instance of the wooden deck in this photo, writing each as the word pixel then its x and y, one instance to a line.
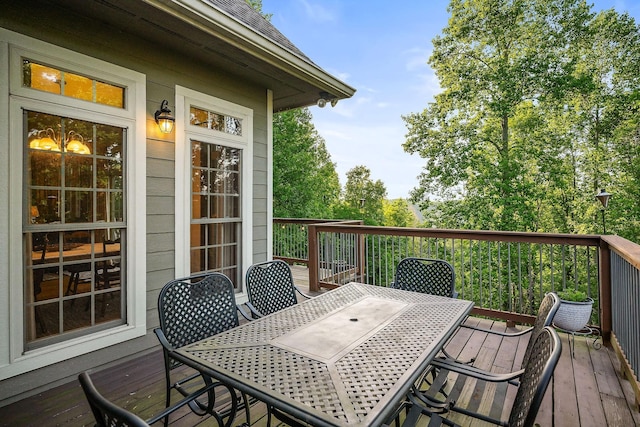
pixel 587 390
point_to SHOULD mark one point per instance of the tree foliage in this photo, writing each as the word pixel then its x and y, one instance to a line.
pixel 397 213
pixel 538 110
pixel 305 181
pixel 363 197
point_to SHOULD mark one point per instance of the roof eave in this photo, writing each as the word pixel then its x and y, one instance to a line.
pixel 211 20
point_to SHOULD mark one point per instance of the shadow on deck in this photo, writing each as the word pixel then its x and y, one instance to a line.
pixel 586 390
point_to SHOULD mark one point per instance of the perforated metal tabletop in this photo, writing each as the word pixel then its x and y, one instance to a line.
pixel 346 357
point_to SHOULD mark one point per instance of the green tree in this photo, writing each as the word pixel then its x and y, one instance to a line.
pixel 363 197
pixel 257 5
pixel 495 61
pixel 397 213
pixel 305 181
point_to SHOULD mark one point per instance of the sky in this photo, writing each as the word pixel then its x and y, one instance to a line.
pixel 380 48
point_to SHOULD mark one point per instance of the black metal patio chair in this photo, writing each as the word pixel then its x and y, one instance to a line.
pixel 191 309
pixel 270 288
pixel 108 414
pixel 538 370
pixel 442 366
pixel 428 276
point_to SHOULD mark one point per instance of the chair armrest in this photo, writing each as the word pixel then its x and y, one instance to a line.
pixel 503 334
pixel 472 371
pixel 163 340
pixel 254 311
pixel 185 401
pixel 301 293
pixel 244 313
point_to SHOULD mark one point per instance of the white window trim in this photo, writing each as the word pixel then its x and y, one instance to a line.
pixel 13 359
pixel 184 133
pixel 269 174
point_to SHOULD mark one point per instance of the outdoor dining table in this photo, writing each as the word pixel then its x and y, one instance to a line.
pixel 345 357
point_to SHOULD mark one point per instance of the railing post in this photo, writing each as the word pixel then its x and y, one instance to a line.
pixel 312 238
pixel 604 268
pixel 361 261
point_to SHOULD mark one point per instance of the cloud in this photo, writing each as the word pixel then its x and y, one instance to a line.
pixel 374 144
pixel 428 85
pixel 417 58
pixel 317 12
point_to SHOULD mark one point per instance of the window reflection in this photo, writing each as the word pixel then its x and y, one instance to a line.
pixel 215 209
pixel 64 178
pixel 74 280
pixel 74 227
pixel 54 80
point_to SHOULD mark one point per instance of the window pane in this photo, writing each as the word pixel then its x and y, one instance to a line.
pixel 199 206
pixel 109 173
pixel 42 320
pixel 44 168
pixel 76 86
pixel 75 315
pixel 199 154
pixel 216 234
pixel 78 171
pixel 214 259
pixel 109 95
pixel 198 260
pixel 109 140
pixel 232 207
pixel 199 181
pixel 198 235
pixel 78 206
pixel 41 77
pixel 217 207
pixel 230 235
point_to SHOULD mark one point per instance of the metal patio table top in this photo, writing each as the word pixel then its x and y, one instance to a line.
pixel 346 357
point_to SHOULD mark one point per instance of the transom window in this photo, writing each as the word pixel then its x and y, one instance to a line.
pixel 55 80
pixel 215 121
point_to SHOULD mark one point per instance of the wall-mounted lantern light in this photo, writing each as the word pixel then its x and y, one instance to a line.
pixel 163 117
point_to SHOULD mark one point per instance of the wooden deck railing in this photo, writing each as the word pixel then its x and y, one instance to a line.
pixel 505 273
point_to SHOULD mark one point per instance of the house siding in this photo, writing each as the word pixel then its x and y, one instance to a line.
pixel 163 70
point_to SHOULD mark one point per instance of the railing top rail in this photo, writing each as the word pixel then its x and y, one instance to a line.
pixel 502 236
pixel 310 221
pixel 626 249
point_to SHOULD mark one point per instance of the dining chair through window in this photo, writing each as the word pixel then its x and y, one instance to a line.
pixel 192 309
pixel 270 288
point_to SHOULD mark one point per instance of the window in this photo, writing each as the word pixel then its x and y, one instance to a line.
pixel 54 80
pixel 216 214
pixel 73 193
pixel 74 227
pixel 214 173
